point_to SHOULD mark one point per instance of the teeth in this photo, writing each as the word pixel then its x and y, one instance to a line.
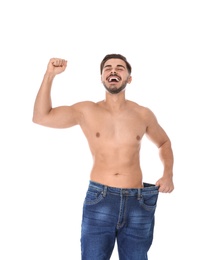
pixel 110 79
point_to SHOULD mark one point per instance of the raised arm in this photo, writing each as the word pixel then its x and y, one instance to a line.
pixel 158 136
pixel 44 114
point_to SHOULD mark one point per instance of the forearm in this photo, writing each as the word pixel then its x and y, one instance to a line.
pixel 43 104
pixel 166 156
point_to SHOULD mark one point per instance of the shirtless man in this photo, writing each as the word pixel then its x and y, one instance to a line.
pixel 118 206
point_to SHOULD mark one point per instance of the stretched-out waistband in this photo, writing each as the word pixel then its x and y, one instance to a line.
pixel 147 189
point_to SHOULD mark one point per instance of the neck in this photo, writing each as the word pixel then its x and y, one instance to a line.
pixel 115 101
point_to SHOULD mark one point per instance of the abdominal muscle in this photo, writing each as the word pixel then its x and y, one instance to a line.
pixel 117 170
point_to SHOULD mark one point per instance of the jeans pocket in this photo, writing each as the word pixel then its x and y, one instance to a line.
pixel 93 197
pixel 148 201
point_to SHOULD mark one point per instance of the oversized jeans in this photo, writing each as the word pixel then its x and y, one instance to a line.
pixel 114 214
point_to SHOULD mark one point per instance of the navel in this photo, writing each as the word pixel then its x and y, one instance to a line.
pixel 138 137
pixel 97 134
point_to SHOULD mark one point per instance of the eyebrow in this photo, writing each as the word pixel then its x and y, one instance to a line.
pixel 117 66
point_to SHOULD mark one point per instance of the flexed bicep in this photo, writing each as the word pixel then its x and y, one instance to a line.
pixel 62 117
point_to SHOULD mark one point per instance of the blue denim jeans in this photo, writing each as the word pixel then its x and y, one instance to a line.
pixel 114 214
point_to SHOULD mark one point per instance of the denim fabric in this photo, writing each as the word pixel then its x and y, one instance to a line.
pixel 123 215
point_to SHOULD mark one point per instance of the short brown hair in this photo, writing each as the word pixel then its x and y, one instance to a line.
pixel 115 56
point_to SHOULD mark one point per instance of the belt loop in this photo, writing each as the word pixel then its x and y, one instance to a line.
pixel 104 191
pixel 139 194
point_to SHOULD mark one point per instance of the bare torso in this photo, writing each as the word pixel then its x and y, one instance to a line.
pixel 114 127
pixel 114 139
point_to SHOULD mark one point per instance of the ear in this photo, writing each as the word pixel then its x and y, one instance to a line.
pixel 129 79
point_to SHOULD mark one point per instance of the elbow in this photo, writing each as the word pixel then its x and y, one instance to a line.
pixel 37 120
pixel 166 143
pixel 34 120
pixel 40 118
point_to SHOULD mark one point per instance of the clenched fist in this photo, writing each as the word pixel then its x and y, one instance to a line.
pixel 56 66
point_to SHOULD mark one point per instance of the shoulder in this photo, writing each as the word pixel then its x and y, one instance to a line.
pixel 83 105
pixel 144 113
pixel 142 110
pixel 86 108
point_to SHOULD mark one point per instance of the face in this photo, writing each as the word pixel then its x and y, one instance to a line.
pixel 115 76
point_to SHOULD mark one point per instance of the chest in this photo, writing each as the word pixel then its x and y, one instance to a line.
pixel 119 128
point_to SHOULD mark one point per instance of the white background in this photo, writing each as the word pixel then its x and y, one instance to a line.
pixel 44 172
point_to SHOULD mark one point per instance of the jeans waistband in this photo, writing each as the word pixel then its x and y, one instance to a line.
pixel 147 189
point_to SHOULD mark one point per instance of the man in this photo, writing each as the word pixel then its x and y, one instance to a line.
pixel 118 205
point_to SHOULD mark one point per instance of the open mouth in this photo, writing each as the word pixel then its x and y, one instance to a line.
pixel 113 79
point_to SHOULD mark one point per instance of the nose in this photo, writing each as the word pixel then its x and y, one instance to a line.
pixel 113 71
